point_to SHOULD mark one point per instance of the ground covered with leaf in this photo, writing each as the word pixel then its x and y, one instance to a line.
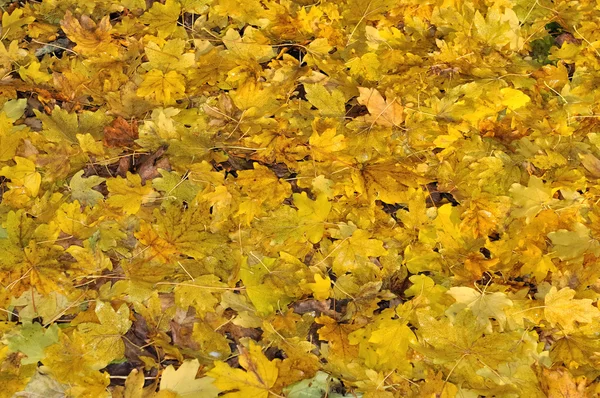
pixel 288 198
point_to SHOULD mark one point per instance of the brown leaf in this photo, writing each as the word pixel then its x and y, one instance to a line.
pixel 318 307
pixel 237 332
pixel 120 133
pixel 150 165
pixel 124 166
pixel 566 37
pixel 591 164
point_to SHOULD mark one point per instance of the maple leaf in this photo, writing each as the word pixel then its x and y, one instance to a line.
pixel 483 305
pixel 75 221
pixel 531 199
pixel 571 245
pixel 462 346
pixel 90 38
pixel 33 73
pixel 385 181
pixel 199 293
pixel 162 17
pixel 387 113
pixel 81 188
pixel 499 29
pixel 485 214
pixel 269 281
pixel 104 339
pixel 513 99
pixel 186 232
pixel 367 66
pixel 337 336
pixel 374 342
pixel 314 387
pixel 73 365
pixel 10 137
pixel 575 349
pixel 11 54
pixel 159 247
pixel 134 387
pixel 31 339
pixel 163 87
pixel 328 103
pixel 256 381
pixel 326 143
pixel 170 56
pixel 14 377
pixel 321 288
pixel 244 12
pixel 23 174
pixel 12 23
pixel 62 125
pixel 312 215
pixel 560 381
pixel 128 193
pixel 426 293
pixel 280 184
pixel 355 251
pixel 183 381
pixel 120 133
pixel 561 308
pixel 249 46
pixel 260 180
pixel 534 262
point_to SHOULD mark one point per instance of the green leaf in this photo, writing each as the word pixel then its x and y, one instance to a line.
pixel 32 339
pixel 82 188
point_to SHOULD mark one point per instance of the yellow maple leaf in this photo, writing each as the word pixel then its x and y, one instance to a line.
pixel 159 247
pixel 559 382
pixel 367 66
pixel 11 54
pixel 336 334
pixel 513 99
pixel 10 137
pixel 536 263
pixel 164 87
pixel 482 304
pixel 23 174
pixel 385 112
pixel 561 308
pixel 72 220
pixel 128 193
pixel 252 46
pixel 261 188
pixel 356 250
pixel 163 17
pixel 12 24
pixel 103 339
pixel 385 181
pixel 374 342
pixel 33 74
pixel 256 381
pixel 326 143
pixel 183 381
pixel 321 288
pixel 69 362
pixel 91 38
pixel 170 56
pixel 312 215
pixel 328 103
pixel 530 200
